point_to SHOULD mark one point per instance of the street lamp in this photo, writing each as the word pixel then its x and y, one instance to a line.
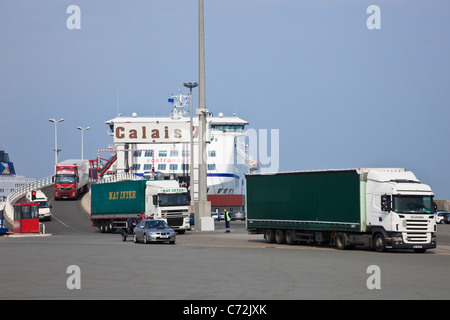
pixel 191 85
pixel 56 138
pixel 81 129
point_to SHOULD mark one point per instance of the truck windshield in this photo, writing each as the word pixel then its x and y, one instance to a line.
pixel 65 178
pixel 175 199
pixel 413 204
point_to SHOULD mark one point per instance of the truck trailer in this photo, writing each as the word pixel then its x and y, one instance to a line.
pixel 383 208
pixel 115 204
pixel 71 178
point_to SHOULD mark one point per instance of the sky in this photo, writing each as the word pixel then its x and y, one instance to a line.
pixel 345 86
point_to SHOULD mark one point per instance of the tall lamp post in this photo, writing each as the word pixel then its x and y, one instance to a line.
pixel 204 206
pixel 191 85
pixel 56 138
pixel 82 130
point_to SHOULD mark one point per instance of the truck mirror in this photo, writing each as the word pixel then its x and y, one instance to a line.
pixel 386 203
pixel 435 206
pixel 155 200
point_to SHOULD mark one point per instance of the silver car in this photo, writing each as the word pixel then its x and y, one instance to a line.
pixel 153 231
pixel 239 215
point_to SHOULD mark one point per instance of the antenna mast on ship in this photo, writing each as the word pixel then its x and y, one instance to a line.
pixel 179 101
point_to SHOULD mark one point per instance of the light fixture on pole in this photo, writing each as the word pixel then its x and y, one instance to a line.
pixel 81 129
pixel 56 138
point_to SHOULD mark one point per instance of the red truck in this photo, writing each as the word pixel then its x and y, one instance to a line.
pixel 71 178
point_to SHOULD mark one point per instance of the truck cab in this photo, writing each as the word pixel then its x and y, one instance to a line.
pixel 166 200
pixel 37 196
pixel 400 211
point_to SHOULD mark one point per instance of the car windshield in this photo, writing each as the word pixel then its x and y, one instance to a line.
pixel 43 204
pixel 175 199
pixel 413 204
pixel 65 178
pixel 156 224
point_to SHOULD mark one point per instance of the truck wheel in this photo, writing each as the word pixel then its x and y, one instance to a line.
pixel 269 235
pixel 290 237
pixel 379 243
pixel 340 240
pixel 280 236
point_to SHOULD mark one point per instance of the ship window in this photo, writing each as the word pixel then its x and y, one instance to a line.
pixel 173 167
pixel 174 153
pixel 212 153
pixel 147 167
pixel 162 166
pixel 211 166
pixel 137 153
pixel 228 127
pixel 136 166
pixel 185 153
pixel 163 153
pixel 149 153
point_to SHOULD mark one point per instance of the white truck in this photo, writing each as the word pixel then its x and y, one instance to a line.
pixel 114 204
pixel 37 196
pixel 383 208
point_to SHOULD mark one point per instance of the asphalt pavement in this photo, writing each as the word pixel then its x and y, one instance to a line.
pixel 211 265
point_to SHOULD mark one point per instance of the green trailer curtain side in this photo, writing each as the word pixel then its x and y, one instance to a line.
pixel 118 197
pixel 305 199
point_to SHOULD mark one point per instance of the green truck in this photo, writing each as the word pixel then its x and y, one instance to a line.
pixel 384 208
pixel 114 204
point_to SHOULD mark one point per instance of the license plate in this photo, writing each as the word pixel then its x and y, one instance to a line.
pixel 417 247
pixel 163 237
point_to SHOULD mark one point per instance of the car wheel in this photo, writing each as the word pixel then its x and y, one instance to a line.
pixel 145 238
pixel 135 238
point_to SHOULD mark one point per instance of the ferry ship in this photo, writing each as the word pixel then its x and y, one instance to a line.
pixel 9 181
pixel 147 151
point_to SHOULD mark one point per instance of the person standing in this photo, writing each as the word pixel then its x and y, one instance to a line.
pixel 227 219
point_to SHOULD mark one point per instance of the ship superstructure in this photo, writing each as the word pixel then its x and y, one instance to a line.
pixel 162 144
pixel 9 181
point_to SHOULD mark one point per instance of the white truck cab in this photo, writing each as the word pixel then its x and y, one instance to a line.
pixel 37 196
pixel 166 200
pixel 401 208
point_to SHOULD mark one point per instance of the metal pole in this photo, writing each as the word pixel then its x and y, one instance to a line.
pixel 191 85
pixel 203 205
pixel 56 137
pixel 82 130
pixel 202 105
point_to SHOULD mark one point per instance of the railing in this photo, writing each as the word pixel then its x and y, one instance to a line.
pixel 20 192
pixel 119 177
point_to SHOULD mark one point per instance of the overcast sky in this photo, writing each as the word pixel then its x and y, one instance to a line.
pixel 344 87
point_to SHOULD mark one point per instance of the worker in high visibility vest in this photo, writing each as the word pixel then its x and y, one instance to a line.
pixel 227 219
